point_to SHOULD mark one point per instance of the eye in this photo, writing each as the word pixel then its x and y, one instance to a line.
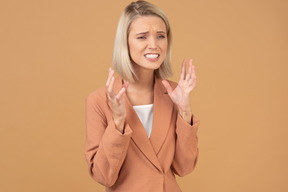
pixel 161 37
pixel 141 37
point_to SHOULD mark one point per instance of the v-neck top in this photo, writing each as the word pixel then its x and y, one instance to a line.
pixel 145 114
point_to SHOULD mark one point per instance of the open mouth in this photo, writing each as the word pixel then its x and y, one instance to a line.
pixel 152 56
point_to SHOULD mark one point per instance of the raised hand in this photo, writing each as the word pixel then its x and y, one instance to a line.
pixel 180 95
pixel 116 101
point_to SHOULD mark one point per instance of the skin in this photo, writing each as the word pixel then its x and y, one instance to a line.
pixel 147 34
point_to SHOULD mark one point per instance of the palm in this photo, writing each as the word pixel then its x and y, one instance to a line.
pixel 180 95
pixel 187 82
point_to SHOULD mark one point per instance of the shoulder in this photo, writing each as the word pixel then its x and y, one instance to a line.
pixel 97 104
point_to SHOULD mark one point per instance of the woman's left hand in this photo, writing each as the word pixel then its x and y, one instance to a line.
pixel 180 95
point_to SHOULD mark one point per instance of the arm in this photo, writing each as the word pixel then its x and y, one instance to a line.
pixel 105 147
pixel 186 151
pixel 107 134
pixel 186 147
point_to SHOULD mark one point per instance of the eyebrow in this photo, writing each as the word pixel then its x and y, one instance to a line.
pixel 142 33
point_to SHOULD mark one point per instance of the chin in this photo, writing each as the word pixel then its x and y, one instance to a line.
pixel 154 66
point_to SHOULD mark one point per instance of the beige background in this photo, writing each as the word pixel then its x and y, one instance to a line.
pixel 53 53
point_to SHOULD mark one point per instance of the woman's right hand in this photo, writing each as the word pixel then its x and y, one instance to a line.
pixel 116 101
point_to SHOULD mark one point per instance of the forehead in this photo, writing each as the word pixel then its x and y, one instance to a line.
pixel 147 23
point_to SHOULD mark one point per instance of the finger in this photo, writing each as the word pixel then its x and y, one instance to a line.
pixel 190 68
pixel 109 77
pixel 120 94
pixel 183 70
pixel 125 84
pixel 188 77
pixel 167 86
pixel 111 72
pixel 193 72
pixel 190 82
pixel 110 88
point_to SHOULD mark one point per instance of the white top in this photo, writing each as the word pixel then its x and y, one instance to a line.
pixel 145 114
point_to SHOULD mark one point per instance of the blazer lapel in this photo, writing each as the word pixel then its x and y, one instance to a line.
pixel 139 135
pixel 163 108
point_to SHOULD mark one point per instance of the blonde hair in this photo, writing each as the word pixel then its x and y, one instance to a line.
pixel 121 58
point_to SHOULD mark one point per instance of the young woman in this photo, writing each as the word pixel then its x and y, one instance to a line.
pixel 140 127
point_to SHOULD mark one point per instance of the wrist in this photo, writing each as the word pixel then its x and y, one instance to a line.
pixel 186 115
pixel 119 123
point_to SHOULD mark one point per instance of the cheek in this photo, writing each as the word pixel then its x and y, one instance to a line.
pixel 134 48
pixel 166 45
pixel 130 48
pixel 133 51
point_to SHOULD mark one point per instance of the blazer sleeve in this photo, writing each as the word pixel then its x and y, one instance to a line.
pixel 105 147
pixel 186 150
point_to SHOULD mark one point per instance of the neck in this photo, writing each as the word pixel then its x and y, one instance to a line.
pixel 145 81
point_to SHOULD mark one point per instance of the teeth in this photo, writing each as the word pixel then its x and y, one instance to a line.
pixel 152 56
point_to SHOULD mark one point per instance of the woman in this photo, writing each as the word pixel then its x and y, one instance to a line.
pixel 140 128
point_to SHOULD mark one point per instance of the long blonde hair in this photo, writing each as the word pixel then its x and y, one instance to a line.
pixel 121 58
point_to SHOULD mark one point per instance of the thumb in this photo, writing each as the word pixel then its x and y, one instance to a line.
pixel 167 86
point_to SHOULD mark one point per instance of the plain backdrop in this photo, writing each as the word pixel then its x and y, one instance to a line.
pixel 53 53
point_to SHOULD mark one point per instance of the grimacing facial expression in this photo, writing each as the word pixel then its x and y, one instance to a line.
pixel 148 42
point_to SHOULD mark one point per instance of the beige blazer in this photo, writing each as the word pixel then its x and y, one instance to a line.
pixel 131 161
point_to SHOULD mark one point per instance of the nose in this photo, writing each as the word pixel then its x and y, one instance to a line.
pixel 152 44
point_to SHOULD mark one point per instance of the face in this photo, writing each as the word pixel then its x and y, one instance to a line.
pixel 147 41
